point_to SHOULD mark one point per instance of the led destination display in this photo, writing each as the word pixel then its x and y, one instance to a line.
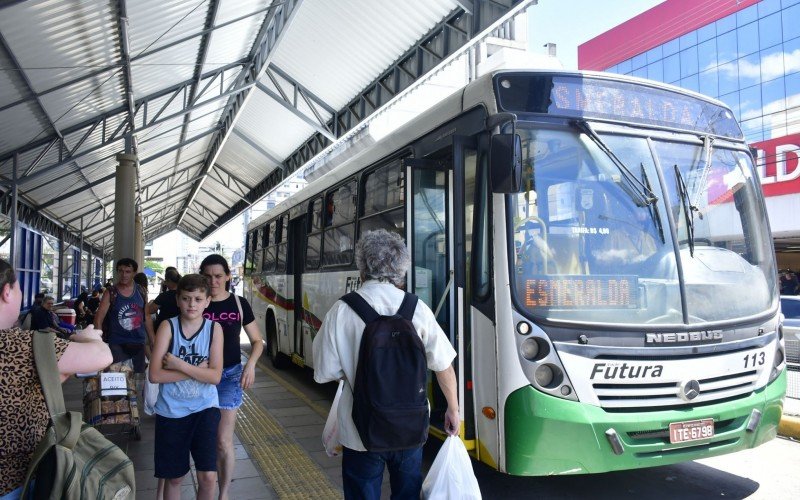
pixel 579 291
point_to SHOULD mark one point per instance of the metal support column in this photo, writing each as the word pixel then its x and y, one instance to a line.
pixel 124 207
pixel 138 239
pixel 13 230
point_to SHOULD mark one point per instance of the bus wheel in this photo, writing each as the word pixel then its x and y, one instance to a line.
pixel 279 359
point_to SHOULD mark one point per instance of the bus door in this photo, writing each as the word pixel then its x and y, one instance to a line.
pixel 298 228
pixel 435 235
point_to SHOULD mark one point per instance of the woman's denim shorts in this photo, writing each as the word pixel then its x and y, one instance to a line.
pixel 229 388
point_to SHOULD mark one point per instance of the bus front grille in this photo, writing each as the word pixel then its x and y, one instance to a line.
pixel 646 396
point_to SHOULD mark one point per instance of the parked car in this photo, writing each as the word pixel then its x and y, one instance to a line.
pixel 790 307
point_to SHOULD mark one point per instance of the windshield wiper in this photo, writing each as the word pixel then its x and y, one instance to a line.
pixel 641 194
pixel 688 208
pixel 652 208
pixel 700 185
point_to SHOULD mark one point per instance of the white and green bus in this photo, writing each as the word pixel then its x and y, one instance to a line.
pixel 595 246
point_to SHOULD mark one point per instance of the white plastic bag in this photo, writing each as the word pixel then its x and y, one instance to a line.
pixel 150 394
pixel 330 434
pixel 450 476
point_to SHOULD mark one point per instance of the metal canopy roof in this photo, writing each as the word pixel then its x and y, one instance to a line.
pixel 220 99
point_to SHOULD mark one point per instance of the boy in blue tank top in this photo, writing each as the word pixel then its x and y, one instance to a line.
pixel 187 410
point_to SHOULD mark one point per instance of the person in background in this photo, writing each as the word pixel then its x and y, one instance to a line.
pixel 44 318
pixel 93 302
pixel 164 286
pixel 188 351
pixel 141 280
pixel 165 304
pixel 383 261
pixel 23 411
pixel 233 313
pixel 129 326
pixel 80 306
pixel 789 282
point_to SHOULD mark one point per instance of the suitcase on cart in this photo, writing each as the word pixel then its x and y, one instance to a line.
pixel 111 402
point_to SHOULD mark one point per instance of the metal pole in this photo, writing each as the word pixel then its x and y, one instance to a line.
pixel 14 194
pixel 80 262
pixel 124 207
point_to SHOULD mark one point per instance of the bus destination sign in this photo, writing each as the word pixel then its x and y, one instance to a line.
pixel 596 98
pixel 582 292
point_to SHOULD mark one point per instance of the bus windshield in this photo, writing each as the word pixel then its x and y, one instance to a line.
pixel 684 242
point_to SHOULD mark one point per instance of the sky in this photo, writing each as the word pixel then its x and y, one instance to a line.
pixel 569 23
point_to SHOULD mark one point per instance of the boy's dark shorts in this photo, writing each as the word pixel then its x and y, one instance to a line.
pixel 177 437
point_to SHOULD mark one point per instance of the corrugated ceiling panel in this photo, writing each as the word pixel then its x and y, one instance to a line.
pixel 217 197
pixel 232 42
pixel 21 124
pixel 97 136
pixel 70 38
pixel 272 125
pixel 233 9
pixel 205 118
pixel 155 23
pixel 316 50
pixel 241 159
pixel 288 91
pixel 228 196
pixel 76 103
pixel 211 202
pixel 9 82
pixel 164 69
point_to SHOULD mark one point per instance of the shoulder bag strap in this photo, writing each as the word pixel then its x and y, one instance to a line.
pixel 360 306
pixel 44 355
pixel 239 305
pixel 408 306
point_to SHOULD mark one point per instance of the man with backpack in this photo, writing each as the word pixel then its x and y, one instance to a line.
pixel 128 327
pixel 381 341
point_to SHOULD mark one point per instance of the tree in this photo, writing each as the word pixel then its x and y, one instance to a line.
pixel 155 266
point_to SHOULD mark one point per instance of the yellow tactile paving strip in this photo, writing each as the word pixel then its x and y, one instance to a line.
pixel 287 467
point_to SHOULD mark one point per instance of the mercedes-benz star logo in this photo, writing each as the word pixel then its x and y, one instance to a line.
pixel 689 390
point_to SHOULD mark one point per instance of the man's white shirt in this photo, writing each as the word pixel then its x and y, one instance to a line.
pixel 337 343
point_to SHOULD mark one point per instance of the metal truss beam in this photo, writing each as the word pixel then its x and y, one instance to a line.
pixel 443 40
pixel 270 34
pixel 107 128
pixel 284 101
pixel 253 144
pixel 125 61
pixel 205 42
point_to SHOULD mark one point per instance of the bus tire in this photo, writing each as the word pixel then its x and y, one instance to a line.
pixel 279 359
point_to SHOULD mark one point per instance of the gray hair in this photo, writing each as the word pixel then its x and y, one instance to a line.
pixel 383 255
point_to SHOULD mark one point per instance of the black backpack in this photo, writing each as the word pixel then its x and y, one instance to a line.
pixel 390 404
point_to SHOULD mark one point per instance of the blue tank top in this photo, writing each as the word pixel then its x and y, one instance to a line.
pixel 127 319
pixel 182 398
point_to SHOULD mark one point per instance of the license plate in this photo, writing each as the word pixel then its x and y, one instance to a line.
pixel 693 430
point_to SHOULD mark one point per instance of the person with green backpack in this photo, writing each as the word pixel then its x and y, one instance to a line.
pixel 23 410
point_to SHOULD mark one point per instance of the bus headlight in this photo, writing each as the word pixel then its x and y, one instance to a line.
pixel 534 348
pixel 529 349
pixel 544 375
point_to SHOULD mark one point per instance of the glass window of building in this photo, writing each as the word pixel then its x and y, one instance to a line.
pixel 708 82
pixel 707 54
pixel 726 24
pixel 728 77
pixel 672 68
pixel 689 61
pixel 747 15
pixel 671 47
pixel 654 54
pixel 791 28
pixel 687 40
pixel 707 32
pixel 726 47
pixel 655 71
pixel 767 7
pixel 749 70
pixel 747 39
pixel 770 31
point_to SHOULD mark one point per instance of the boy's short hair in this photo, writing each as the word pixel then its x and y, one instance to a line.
pixel 193 283
pixel 128 262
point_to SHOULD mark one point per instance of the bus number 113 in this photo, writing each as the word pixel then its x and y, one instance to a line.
pixel 751 360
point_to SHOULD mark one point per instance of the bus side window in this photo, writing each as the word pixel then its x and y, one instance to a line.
pixel 314 241
pixel 384 195
pixel 340 226
pixel 280 266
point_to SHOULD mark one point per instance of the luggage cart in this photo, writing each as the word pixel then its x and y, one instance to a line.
pixel 110 401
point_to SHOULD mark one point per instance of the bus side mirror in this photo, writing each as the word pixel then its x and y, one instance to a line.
pixel 505 159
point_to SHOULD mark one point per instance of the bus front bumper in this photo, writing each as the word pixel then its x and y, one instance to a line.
pixel 545 435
